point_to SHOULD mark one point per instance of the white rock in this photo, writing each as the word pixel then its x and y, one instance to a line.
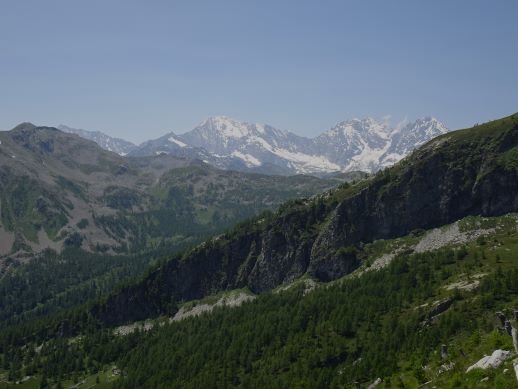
pixel 232 300
pixel 493 361
pixel 375 383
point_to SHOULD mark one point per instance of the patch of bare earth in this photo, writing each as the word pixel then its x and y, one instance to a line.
pixel 468 284
pixel 129 328
pixel 233 300
pixel 440 237
pixel 433 240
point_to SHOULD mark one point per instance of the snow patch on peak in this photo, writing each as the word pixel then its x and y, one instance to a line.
pixel 305 163
pixel 172 139
pixel 249 159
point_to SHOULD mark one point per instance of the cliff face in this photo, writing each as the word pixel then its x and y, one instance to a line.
pixel 444 181
pixel 468 172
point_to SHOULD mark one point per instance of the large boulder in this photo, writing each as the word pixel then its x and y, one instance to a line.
pixel 494 360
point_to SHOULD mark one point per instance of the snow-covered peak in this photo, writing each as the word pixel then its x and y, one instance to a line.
pixel 226 127
pixel 360 126
pixel 424 128
pixel 430 126
pixel 410 136
pixel 223 135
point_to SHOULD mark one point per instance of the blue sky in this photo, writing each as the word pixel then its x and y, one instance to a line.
pixel 136 69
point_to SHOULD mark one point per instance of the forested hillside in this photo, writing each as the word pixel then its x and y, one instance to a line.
pixel 388 323
pixel 466 172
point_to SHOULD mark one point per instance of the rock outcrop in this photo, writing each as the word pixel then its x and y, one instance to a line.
pixel 491 361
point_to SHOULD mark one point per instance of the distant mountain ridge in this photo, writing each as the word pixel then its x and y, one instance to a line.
pixel 117 145
pixel 59 190
pixel 354 145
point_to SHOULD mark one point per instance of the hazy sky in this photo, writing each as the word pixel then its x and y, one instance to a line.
pixel 136 69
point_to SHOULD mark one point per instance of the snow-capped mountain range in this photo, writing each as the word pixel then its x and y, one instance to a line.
pixel 357 144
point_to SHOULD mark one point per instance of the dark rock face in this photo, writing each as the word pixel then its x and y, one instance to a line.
pixel 447 179
pixel 431 197
pixel 441 307
pixel 501 317
pixel 444 351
